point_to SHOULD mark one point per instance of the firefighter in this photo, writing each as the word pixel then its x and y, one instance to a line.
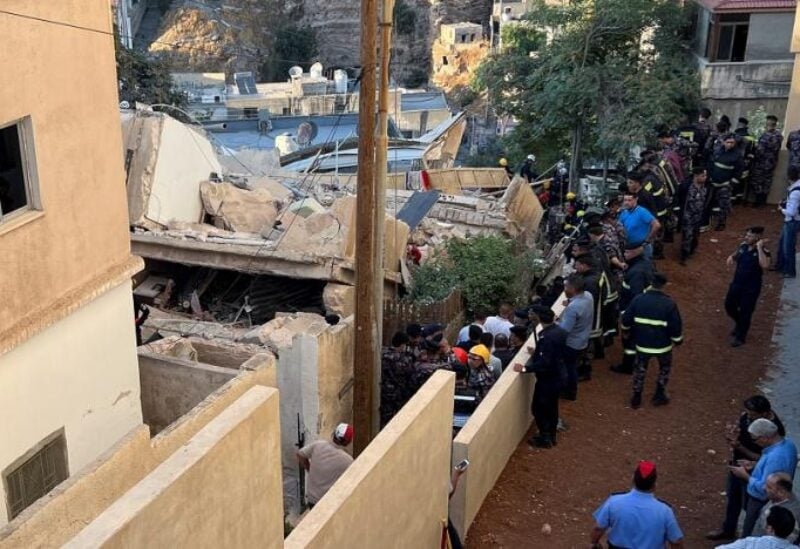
pixel 724 169
pixel 638 275
pixel 503 162
pixel 747 146
pixel 692 212
pixel 653 323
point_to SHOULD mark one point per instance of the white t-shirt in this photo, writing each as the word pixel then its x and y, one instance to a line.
pixel 497 325
pixel 328 462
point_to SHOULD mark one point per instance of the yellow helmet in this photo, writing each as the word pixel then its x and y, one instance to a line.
pixel 571 196
pixel 546 185
pixel 580 213
pixel 503 162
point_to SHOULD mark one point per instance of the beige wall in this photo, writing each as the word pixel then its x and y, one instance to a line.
pixel 792 120
pixel 80 374
pixel 65 80
pixel 490 436
pixel 221 489
pixel 395 493
pixel 58 517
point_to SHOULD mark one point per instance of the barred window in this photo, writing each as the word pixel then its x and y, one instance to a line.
pixel 36 473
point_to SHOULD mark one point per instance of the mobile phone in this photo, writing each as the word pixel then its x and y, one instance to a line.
pixel 462 466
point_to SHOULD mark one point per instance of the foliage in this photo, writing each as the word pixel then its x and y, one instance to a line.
pixel 416 78
pixel 485 268
pixel 405 18
pixel 612 71
pixel 145 79
pixel 292 45
pixel 522 39
pixel 461 97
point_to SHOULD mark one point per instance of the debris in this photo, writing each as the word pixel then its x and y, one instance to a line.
pixel 237 209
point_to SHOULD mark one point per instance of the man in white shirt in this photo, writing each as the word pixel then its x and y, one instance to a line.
pixel 325 462
pixel 790 209
pixel 502 322
pixel 780 524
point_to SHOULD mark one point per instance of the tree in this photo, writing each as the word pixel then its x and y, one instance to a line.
pixel 292 45
pixel 145 79
pixel 610 73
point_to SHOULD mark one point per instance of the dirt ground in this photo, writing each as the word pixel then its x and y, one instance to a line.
pixel 606 438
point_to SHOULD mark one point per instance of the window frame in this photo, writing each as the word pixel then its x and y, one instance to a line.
pixel 57 436
pixel 30 172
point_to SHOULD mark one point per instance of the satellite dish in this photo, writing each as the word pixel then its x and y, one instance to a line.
pixel 296 72
pixel 124 105
pixel 306 132
pixel 316 70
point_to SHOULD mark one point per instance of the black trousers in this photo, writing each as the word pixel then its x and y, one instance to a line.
pixel 736 492
pixel 740 302
pixel 545 407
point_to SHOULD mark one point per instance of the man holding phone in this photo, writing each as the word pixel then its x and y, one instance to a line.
pixel 743 447
pixel 751 259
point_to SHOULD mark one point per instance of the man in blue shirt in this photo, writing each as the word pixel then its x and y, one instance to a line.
pixel 779 455
pixel 640 225
pixel 576 320
pixel 637 519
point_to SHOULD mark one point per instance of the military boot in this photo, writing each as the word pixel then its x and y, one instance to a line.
pixel 660 398
pixel 636 400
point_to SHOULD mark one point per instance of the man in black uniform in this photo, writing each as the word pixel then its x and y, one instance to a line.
pixel 751 259
pixel 653 322
pixel 637 277
pixel 547 362
pixel 743 447
pixel 747 146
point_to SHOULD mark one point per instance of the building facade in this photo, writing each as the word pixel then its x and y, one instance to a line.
pixel 69 381
pixel 742 49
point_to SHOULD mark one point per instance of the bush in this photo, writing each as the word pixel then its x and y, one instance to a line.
pixel 486 269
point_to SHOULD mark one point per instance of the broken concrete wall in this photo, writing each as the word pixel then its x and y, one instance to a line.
pixel 524 212
pixel 171 387
pixel 339 299
pixel 239 210
pixel 166 161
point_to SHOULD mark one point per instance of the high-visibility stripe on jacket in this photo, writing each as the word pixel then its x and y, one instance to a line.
pixel 654 322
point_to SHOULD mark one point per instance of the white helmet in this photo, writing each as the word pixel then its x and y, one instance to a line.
pixel 532 157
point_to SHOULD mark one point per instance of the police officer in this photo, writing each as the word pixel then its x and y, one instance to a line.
pixel 692 212
pixel 637 519
pixel 724 171
pixel 766 158
pixel 747 146
pixel 653 322
pixel 638 276
pixel 751 259
pixel 396 373
pixel 547 362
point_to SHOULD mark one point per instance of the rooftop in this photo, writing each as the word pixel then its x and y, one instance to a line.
pixel 722 6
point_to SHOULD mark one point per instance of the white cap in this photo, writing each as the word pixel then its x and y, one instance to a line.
pixel 762 428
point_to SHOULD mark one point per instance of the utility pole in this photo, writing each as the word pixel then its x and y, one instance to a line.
pixel 381 173
pixel 367 329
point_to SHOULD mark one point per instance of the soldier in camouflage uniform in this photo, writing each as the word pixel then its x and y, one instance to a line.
pixel 766 158
pixel 396 376
pixel 793 146
pixel 692 211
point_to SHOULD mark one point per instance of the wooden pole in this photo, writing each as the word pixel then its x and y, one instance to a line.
pixel 367 331
pixel 381 173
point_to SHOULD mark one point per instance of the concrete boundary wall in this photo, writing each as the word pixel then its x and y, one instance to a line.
pixel 60 515
pixel 222 488
pixel 395 493
pixel 491 435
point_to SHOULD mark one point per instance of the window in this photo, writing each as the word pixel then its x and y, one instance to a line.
pixel 250 112
pixel 444 60
pixel 472 37
pixel 732 41
pixel 463 38
pixel 36 473
pixel 18 189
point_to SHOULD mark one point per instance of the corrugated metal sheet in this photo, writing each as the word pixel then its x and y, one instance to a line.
pixel 417 207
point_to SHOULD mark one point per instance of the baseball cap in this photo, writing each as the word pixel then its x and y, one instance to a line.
pixel 343 434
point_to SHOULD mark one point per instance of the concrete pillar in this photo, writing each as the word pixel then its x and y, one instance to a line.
pixel 792 120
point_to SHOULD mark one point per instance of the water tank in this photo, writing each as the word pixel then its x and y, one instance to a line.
pixel 295 72
pixel 340 80
pixel 286 144
pixel 316 70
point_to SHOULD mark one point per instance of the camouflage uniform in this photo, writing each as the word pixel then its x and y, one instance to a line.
pixel 692 218
pixel 793 146
pixel 396 382
pixel 724 170
pixel 766 158
pixel 613 240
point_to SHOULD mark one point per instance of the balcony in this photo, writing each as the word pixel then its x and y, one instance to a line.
pixel 745 80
